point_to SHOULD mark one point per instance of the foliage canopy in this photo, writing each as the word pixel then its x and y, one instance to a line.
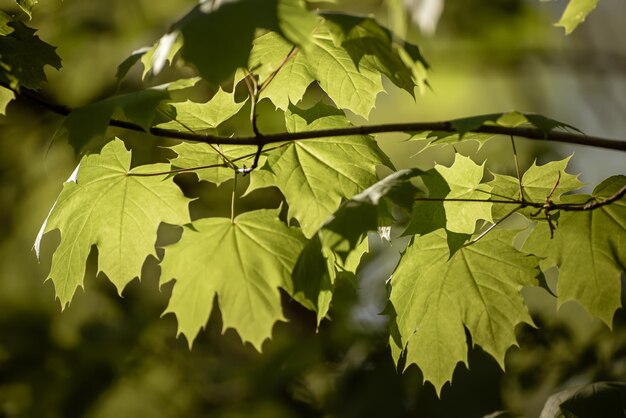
pixel 477 238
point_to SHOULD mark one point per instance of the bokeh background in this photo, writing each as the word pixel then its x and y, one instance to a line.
pixel 111 356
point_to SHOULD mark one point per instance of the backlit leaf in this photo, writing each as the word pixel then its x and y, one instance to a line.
pixel 539 183
pixel 195 117
pixel 111 207
pixel 90 122
pixel 18 68
pixel 314 175
pixel 217 47
pixel 464 179
pixel 436 295
pixel 589 248
pixel 241 262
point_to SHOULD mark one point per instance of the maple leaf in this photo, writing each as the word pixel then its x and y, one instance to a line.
pixel 290 83
pixel 314 175
pixel 217 60
pixel 18 68
pixel 435 295
pixel 538 183
pixel 111 207
pixel 243 262
pixel 193 117
pixel 589 248
pixel 464 180
pixel 84 124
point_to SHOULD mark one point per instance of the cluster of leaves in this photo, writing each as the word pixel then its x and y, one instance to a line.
pixel 465 264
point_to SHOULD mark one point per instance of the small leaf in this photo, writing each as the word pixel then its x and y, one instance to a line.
pixel 153 58
pixel 464 179
pixel 314 175
pixel 372 46
pixel 217 47
pixel 350 87
pixel 90 122
pixel 6 95
pixel 575 13
pixel 589 248
pixel 290 83
pixel 296 23
pixel 538 182
pixel 241 262
pixel 20 69
pixel 195 117
pixel 436 295
pixel 109 207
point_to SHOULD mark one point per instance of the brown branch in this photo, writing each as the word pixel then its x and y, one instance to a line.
pixel 445 126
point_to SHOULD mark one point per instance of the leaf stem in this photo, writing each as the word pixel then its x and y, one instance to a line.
pixel 490 227
pixel 232 199
pixel 517 169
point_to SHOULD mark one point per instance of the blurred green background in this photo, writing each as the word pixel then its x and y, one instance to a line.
pixel 107 356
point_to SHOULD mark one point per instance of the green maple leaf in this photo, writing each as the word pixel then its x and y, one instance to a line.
pixel 314 175
pixel 290 83
pixel 350 86
pixel 538 182
pixel 230 45
pixel 90 122
pixel 16 67
pixel 589 249
pixel 212 161
pixel 194 117
pixel 435 295
pixel 372 46
pixel 464 180
pixel 243 262
pixel 355 50
pixel 575 13
pixel 108 207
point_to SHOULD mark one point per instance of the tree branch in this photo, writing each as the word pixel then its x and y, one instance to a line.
pixel 445 126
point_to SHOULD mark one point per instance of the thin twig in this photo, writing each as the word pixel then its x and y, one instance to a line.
pixel 547 206
pixel 215 148
pixel 201 167
pixel 253 90
pixel 493 225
